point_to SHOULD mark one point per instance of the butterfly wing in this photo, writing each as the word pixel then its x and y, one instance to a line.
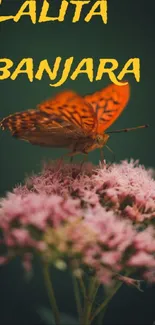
pixel 68 119
pixel 43 129
pixel 108 104
pixel 73 108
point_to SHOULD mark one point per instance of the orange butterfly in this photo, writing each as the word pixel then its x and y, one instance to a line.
pixel 69 120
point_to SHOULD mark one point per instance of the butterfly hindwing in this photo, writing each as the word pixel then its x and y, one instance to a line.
pixel 40 128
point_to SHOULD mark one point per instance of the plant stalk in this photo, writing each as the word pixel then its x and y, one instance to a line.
pixel 88 302
pixel 77 297
pixel 106 301
pixel 51 294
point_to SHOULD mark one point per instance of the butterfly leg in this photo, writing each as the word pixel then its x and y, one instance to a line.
pixel 112 152
pixel 60 162
pixel 83 161
pixel 71 155
pixel 101 155
pixel 103 162
pixel 74 152
pixel 71 159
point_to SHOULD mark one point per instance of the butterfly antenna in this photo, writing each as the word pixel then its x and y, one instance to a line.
pixel 129 129
pixel 101 154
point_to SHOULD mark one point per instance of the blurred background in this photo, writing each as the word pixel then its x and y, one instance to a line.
pixel 129 33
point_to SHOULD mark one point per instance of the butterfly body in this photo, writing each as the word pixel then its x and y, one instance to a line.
pixel 69 120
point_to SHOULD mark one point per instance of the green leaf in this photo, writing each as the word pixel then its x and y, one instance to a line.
pixel 46 315
pixel 68 320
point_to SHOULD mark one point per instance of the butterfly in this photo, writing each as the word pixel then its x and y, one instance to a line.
pixel 69 120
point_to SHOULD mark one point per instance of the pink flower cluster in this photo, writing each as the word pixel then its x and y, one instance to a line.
pixel 98 217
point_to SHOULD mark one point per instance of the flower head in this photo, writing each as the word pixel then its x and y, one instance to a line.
pixel 99 218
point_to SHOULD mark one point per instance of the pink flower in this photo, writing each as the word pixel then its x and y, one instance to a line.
pixel 21 237
pixel 145 240
pixel 142 259
pixel 101 218
pixel 3 260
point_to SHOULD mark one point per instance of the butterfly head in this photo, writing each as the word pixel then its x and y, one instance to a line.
pixel 101 140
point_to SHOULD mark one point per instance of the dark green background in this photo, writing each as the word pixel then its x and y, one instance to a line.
pixel 129 33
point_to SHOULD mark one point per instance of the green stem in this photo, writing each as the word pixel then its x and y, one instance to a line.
pixel 106 301
pixel 77 297
pixel 82 286
pixel 51 294
pixel 89 300
pixel 101 315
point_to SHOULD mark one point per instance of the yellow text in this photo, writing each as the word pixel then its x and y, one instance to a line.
pixel 29 8
pixel 64 69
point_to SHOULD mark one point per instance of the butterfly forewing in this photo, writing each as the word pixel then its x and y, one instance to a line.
pixel 73 108
pixel 108 104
